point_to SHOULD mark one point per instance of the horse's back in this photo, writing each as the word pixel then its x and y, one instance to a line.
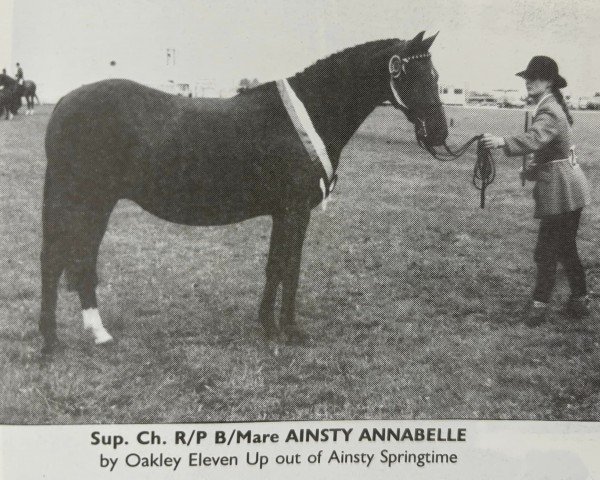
pixel 194 161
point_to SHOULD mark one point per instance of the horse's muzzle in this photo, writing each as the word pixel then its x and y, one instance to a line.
pixel 431 128
pixel 432 135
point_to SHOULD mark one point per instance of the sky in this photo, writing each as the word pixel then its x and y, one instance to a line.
pixel 482 43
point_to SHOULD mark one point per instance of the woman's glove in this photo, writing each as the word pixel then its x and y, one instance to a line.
pixel 490 141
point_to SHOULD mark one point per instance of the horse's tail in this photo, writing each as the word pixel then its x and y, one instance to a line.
pixel 59 207
pixel 76 206
pixel 55 240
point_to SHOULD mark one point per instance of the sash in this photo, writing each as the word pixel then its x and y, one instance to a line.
pixel 537 107
pixel 308 135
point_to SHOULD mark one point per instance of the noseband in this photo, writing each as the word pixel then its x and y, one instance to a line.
pixel 484 172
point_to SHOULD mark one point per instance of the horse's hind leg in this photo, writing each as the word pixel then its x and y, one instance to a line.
pixel 53 261
pixel 72 236
pixel 89 229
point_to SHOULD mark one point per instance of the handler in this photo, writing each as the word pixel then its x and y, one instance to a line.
pixel 561 190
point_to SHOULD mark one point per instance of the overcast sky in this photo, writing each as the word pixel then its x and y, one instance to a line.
pixel 482 43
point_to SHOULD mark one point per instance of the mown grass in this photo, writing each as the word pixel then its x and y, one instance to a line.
pixel 411 294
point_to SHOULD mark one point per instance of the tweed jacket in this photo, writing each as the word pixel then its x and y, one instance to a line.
pixel 560 185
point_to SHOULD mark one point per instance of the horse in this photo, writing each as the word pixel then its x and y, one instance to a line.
pixel 29 92
pixel 216 161
pixel 10 98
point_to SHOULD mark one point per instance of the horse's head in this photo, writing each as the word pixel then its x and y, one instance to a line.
pixel 413 88
pixel 7 81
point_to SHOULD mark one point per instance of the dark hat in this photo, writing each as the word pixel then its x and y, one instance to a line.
pixel 544 68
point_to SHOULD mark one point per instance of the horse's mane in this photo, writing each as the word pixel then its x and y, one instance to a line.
pixel 364 50
pixel 322 66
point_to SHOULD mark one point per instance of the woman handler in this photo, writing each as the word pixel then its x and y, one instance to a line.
pixel 561 190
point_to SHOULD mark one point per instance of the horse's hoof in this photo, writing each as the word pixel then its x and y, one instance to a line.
pixel 294 335
pixel 271 332
pixel 105 343
pixel 268 323
pixel 51 346
pixel 102 337
pixel 269 329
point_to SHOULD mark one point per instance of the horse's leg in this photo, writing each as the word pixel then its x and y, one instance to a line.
pixel 53 261
pixel 72 236
pixel 295 225
pixel 89 230
pixel 274 272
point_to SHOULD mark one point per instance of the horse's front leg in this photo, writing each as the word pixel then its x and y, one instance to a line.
pixel 274 274
pixel 295 225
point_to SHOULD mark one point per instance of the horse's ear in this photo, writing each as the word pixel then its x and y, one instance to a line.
pixel 427 42
pixel 418 37
pixel 414 44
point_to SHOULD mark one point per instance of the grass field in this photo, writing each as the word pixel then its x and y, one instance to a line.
pixel 411 294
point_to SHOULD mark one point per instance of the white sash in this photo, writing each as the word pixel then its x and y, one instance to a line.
pixel 537 107
pixel 306 131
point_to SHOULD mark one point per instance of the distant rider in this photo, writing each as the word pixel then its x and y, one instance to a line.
pixel 19 75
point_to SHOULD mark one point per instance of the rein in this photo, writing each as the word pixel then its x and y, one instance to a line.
pixel 484 171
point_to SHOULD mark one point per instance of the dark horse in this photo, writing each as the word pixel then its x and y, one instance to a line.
pixel 214 162
pixel 10 96
pixel 29 89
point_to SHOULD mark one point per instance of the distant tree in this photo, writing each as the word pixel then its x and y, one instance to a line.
pixel 246 84
pixel 597 94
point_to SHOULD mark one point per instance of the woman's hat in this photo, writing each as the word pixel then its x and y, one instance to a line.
pixel 544 68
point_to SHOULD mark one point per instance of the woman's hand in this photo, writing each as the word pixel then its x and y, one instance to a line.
pixel 490 141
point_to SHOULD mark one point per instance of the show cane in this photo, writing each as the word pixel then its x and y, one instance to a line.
pixel 525 156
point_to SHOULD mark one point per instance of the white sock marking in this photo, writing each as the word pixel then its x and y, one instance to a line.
pixel 93 322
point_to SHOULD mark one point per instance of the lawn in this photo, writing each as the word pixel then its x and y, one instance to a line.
pixel 412 297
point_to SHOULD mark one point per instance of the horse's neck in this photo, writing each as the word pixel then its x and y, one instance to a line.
pixel 7 81
pixel 337 105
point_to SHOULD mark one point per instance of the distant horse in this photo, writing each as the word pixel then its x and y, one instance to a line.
pixel 216 161
pixel 10 97
pixel 29 89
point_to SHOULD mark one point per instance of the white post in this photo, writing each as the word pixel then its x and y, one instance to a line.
pixel 6 33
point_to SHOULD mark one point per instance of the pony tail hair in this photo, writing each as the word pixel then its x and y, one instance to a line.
pixel 561 100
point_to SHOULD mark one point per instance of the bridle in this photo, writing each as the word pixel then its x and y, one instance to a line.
pixel 484 172
pixel 397 67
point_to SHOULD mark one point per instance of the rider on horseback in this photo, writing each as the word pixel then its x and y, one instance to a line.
pixel 19 75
